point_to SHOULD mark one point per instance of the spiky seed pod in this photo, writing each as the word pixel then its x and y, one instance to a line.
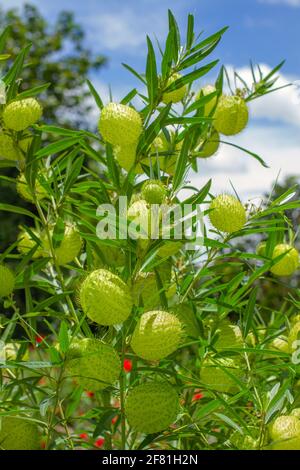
pixel 156 335
pixel 227 213
pixel 207 90
pixel 188 319
pixel 27 243
pixel 25 142
pixel 7 281
pixel 105 298
pixel 93 364
pixel 139 214
pixel 145 288
pixel 208 147
pixel 229 336
pixel 152 407
pixel 18 434
pixel 109 256
pixel 20 114
pixel 295 412
pixel 69 247
pixel 8 149
pixel 293 337
pixel 261 249
pixel 217 374
pixel 120 124
pixel 280 344
pixel 24 190
pixel 231 115
pixel 246 441
pixel 154 192
pixel 174 96
pixel 126 155
pixel 289 263
pixel 285 433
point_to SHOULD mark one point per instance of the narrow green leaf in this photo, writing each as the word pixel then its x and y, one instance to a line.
pixel 190 32
pixel 95 94
pixel 32 92
pixel 151 73
pixel 56 147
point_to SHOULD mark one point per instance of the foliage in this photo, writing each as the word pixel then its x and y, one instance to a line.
pixel 229 375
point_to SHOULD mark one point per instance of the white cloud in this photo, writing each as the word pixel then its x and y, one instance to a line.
pixel 282 105
pixel 125 28
pixel 279 146
pixel 292 3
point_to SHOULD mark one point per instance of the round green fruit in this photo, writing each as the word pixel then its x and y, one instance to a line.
pixel 152 407
pixel 7 281
pixel 156 335
pixel 231 115
pixel 105 298
pixel 188 319
pixel 154 192
pixel 288 263
pixel 227 213
pixel 245 441
pixel 208 147
pixel 120 124
pixel 8 149
pixel 145 289
pixel 69 248
pixel 210 106
pixel 174 96
pixel 261 249
pixel 285 433
pixel 217 374
pixel 18 434
pixel 93 364
pixel 229 336
pixel 296 412
pixel 20 114
pixel 294 338
pixel 126 155
pixel 25 192
pixel 26 243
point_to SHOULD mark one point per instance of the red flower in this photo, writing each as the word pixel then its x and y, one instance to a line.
pixel 114 420
pixel 197 396
pixel 127 364
pixel 84 436
pixel 99 442
pixel 43 444
pixel 39 339
pixel 89 394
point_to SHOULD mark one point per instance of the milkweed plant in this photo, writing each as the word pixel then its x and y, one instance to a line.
pixel 131 313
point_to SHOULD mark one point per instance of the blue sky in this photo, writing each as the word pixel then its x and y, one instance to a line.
pixel 264 30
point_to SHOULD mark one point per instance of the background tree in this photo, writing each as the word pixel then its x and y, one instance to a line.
pixel 58 56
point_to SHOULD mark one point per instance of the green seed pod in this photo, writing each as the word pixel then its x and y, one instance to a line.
pixel 27 243
pixel 217 374
pixel 293 337
pixel 120 124
pixel 7 281
pixel 126 155
pixel 8 149
pixel 289 263
pixel 227 214
pixel 285 433
pixel 231 115
pixel 156 335
pixel 152 407
pixel 207 90
pixel 176 95
pixel 93 364
pixel 69 247
pixel 18 434
pixel 209 147
pixel 105 298
pixel 25 192
pixel 154 192
pixel 18 115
